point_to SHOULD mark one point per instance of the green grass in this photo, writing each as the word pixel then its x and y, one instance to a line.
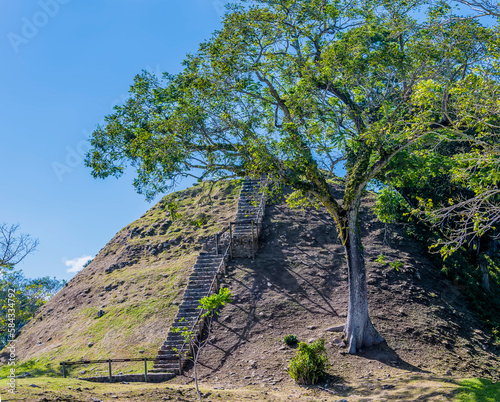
pixel 478 390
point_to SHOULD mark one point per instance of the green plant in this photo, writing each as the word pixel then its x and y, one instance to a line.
pixel 172 208
pixel 290 340
pixel 396 265
pixel 213 302
pixel 380 259
pixel 200 220
pixel 307 367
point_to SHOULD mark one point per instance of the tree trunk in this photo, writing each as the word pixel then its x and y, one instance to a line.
pixel 358 329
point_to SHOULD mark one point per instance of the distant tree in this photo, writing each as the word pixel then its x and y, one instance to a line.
pixel 14 247
pixel 291 89
pixel 29 294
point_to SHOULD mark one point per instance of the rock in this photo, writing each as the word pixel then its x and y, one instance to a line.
pixel 111 268
pixel 339 342
pixel 34 386
pixel 109 287
pixel 387 386
pixel 82 372
pixel 100 313
pixel 339 328
pixel 311 327
pixel 310 340
pixel 269 284
pixel 141 351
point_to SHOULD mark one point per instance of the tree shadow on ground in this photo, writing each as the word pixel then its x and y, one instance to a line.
pixel 384 354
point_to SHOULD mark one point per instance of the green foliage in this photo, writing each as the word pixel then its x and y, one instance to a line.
pixel 200 220
pixel 390 205
pixel 290 340
pixel 308 365
pixel 381 259
pixel 173 208
pixel 396 265
pixel 213 302
pixel 29 296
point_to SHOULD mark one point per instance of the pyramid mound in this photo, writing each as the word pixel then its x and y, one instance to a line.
pixel 298 285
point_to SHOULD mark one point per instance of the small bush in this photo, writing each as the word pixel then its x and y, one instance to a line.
pixel 380 259
pixel 396 265
pixel 290 340
pixel 307 367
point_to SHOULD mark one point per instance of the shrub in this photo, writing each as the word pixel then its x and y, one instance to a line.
pixel 380 259
pixel 307 367
pixel 396 265
pixel 290 340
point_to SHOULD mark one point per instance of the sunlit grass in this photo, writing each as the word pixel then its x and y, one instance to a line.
pixel 478 390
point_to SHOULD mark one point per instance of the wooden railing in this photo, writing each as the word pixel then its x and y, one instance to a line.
pixel 64 364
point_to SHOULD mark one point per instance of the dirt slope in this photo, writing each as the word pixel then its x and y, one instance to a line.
pixel 297 285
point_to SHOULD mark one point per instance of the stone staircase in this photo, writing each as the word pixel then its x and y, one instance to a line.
pixel 248 222
pixel 209 266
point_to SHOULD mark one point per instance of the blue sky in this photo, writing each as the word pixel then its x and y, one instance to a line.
pixel 63 65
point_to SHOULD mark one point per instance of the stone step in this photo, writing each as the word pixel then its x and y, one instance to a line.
pixel 202 277
pixel 189 304
pixel 197 285
pixel 167 353
pixel 208 256
pixel 195 296
pixel 165 367
pixel 189 317
pixel 186 323
pixel 208 265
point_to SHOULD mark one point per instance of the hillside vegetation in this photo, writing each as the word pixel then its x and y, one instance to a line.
pixel 124 301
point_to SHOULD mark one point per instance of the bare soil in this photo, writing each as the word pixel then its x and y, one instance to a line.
pixel 298 285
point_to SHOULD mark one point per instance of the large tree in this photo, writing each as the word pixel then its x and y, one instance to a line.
pixel 291 89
